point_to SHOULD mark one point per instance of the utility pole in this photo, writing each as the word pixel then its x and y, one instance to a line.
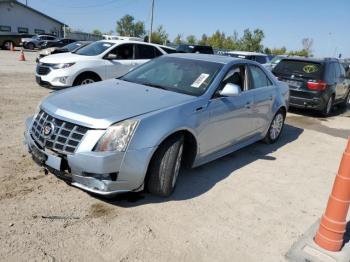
pixel 150 32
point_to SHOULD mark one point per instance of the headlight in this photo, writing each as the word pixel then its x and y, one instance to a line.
pixel 117 137
pixel 60 66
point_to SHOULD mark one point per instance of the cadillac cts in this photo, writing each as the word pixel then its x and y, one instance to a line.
pixel 137 131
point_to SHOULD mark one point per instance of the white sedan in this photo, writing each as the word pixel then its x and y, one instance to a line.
pixel 97 61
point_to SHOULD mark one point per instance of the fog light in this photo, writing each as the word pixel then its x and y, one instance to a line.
pixel 108 176
pixel 62 79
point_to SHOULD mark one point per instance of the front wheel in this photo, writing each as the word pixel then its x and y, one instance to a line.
pixel 275 128
pixel 165 167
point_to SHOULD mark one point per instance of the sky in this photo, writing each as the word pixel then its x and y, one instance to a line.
pixel 284 22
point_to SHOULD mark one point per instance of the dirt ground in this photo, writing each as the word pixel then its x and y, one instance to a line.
pixel 249 206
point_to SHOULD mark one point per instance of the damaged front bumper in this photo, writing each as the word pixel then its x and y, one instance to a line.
pixel 102 173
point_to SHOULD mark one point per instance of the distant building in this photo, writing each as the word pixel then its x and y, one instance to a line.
pixel 16 17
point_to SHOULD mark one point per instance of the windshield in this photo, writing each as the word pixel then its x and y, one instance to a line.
pixel 72 46
pixel 187 76
pixel 276 60
pixel 93 49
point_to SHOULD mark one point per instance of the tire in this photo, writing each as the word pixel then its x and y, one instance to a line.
pixel 165 166
pixel 30 46
pixel 85 79
pixel 276 128
pixel 346 101
pixel 328 107
pixel 7 45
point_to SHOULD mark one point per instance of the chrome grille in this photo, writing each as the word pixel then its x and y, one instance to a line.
pixel 41 69
pixel 65 137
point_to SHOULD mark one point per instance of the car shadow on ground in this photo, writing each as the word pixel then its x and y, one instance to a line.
pixel 195 182
pixel 337 111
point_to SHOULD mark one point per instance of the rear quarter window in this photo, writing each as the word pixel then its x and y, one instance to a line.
pixel 311 70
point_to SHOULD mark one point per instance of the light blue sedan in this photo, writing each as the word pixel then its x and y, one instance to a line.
pixel 136 132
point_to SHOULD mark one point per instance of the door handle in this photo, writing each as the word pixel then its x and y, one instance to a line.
pixel 201 108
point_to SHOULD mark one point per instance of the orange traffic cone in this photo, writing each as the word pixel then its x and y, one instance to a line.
pixel 22 57
pixel 333 223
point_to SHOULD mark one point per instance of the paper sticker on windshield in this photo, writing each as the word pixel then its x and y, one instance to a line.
pixel 310 69
pixel 200 80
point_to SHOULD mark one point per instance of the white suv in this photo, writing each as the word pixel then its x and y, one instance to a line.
pixel 97 61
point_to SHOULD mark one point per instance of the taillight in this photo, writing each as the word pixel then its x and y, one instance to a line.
pixel 317 85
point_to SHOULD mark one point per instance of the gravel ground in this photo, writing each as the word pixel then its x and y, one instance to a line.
pixel 249 206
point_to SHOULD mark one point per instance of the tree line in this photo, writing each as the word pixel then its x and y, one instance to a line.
pixel 249 41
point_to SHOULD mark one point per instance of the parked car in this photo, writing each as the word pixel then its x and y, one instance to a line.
pixel 257 57
pixel 202 49
pixel 98 61
pixel 6 40
pixel 58 50
pixel 56 43
pixel 314 83
pixel 138 131
pixel 35 41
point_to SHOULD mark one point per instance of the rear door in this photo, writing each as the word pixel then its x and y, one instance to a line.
pixel 143 53
pixel 123 60
pixel 264 96
pixel 341 82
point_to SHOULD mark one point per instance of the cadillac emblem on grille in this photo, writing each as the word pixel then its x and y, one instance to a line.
pixel 48 129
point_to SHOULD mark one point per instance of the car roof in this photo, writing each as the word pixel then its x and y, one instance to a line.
pixel 245 53
pixel 206 57
pixel 308 59
pixel 130 42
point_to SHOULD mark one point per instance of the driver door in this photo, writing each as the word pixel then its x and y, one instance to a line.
pixel 120 60
pixel 230 118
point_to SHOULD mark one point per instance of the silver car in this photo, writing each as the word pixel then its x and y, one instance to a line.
pixel 136 132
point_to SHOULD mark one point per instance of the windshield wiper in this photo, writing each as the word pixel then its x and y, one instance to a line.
pixel 153 85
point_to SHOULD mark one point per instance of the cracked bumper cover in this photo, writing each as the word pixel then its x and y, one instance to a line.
pixel 131 167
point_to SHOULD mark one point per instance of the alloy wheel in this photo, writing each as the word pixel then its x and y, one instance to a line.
pixel 87 81
pixel 276 127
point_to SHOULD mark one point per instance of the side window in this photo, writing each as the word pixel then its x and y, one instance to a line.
pixel 259 78
pixel 260 59
pixel 331 74
pixel 236 75
pixel 337 70
pixel 342 70
pixel 145 52
pixel 123 52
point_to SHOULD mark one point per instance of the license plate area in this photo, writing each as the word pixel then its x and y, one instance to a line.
pixel 43 159
pixel 293 83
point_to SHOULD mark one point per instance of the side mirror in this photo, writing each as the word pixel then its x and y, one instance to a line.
pixel 110 56
pixel 230 90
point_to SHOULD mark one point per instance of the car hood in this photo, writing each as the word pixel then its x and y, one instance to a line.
pixel 104 103
pixel 65 58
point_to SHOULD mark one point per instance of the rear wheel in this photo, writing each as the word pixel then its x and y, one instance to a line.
pixel 7 45
pixel 165 167
pixel 328 107
pixel 275 128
